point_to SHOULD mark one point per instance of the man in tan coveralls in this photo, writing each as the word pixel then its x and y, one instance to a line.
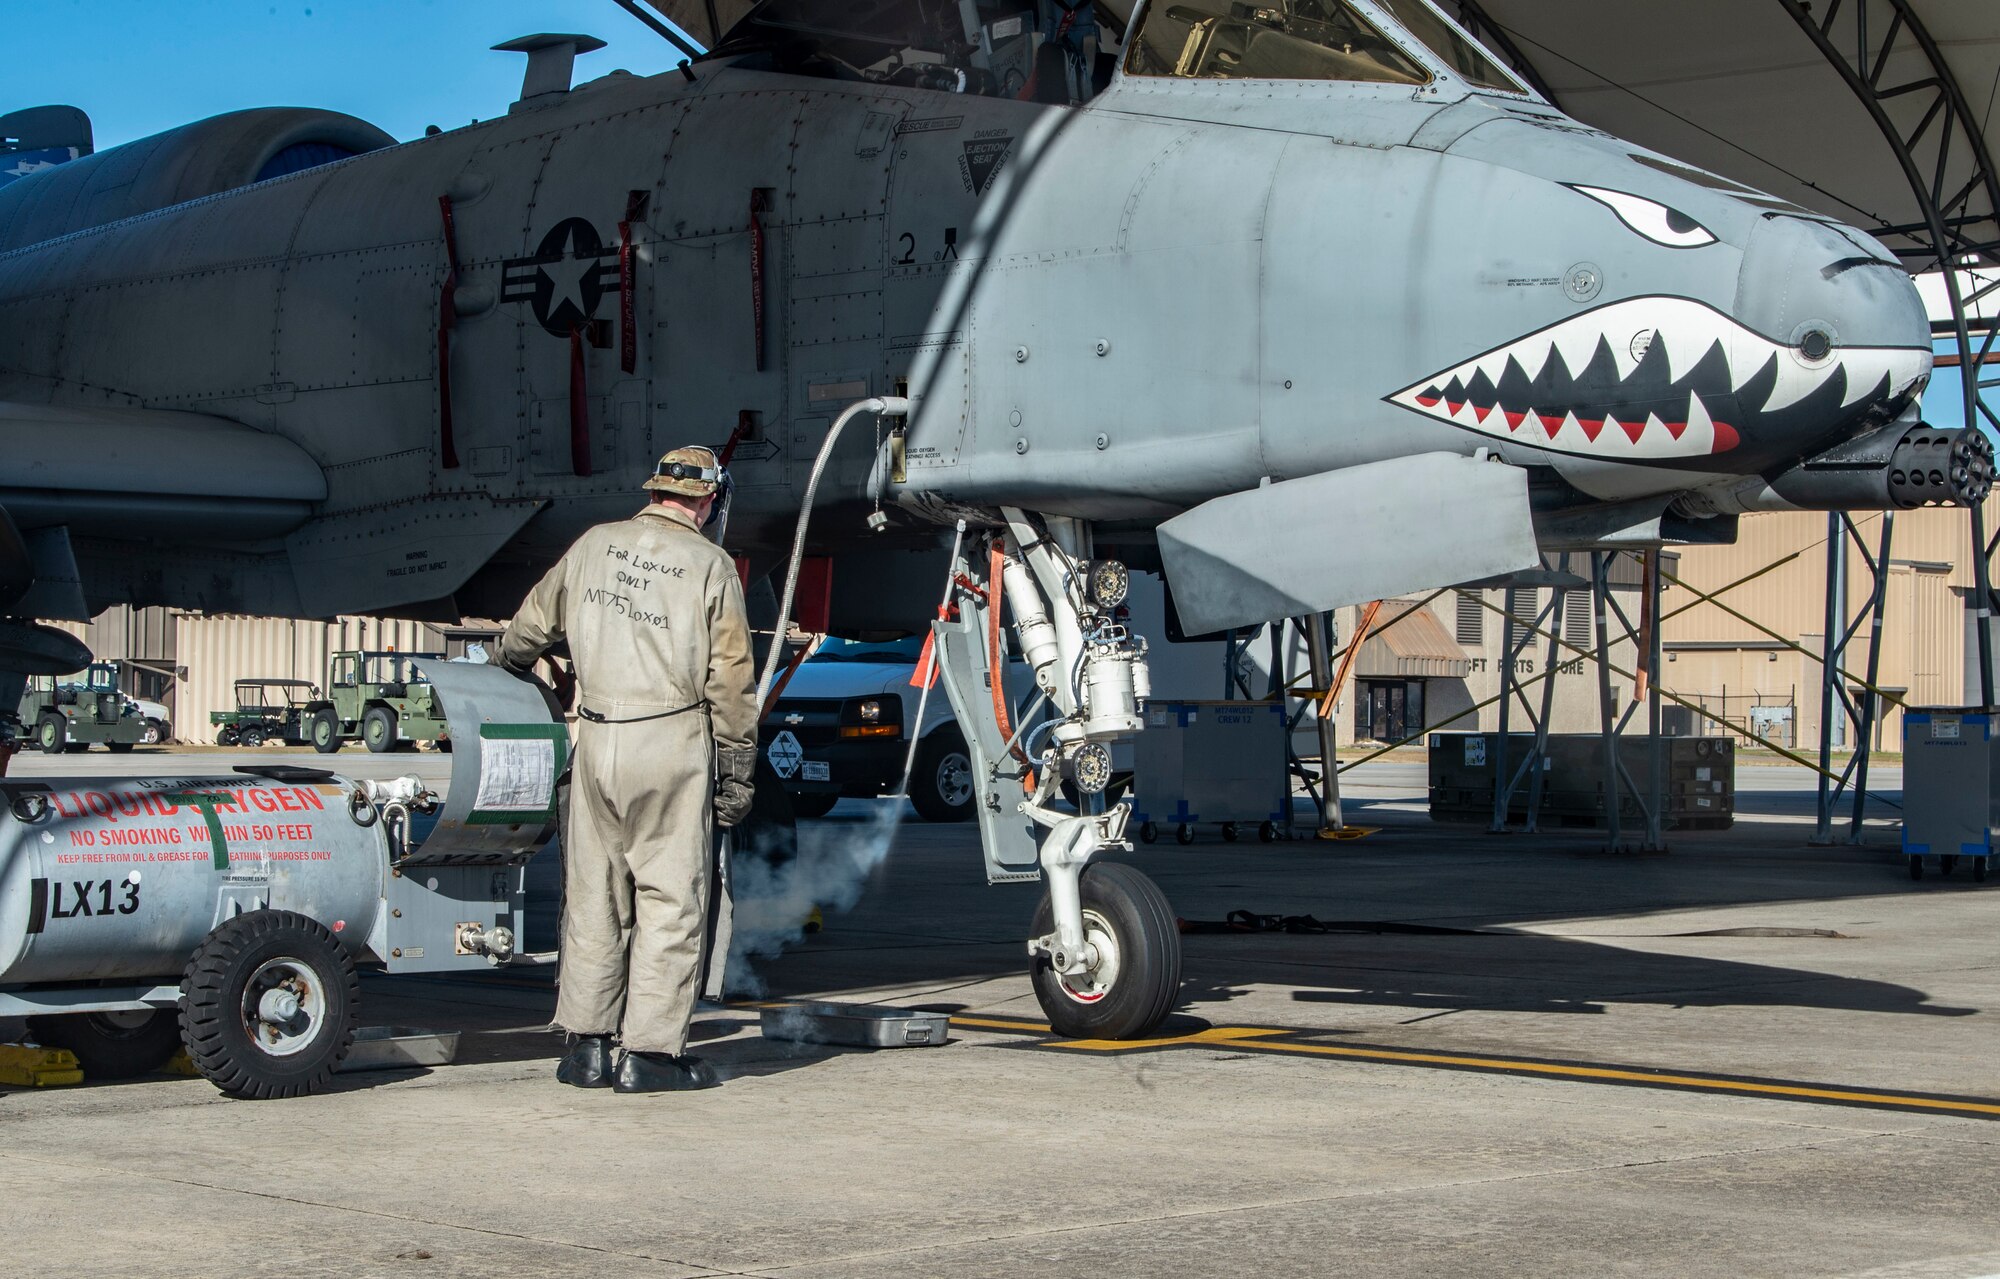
pixel 653 612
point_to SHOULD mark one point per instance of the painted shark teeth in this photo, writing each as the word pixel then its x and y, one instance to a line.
pixel 1657 377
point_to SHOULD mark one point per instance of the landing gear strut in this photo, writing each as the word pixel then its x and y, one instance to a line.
pixel 1104 943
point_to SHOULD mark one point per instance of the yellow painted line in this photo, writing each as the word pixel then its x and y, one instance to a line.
pixel 1261 1039
pixel 999 1023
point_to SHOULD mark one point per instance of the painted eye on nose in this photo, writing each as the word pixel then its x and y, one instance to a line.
pixel 1650 218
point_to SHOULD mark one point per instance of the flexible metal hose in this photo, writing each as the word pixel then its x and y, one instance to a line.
pixel 892 405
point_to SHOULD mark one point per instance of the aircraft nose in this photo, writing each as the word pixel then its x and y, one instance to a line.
pixel 1853 339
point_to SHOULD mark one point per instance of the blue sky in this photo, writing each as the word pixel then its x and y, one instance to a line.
pixel 140 66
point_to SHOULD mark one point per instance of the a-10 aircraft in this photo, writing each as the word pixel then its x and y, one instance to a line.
pixel 1302 302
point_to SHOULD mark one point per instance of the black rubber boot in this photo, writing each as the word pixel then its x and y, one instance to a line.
pixel 658 1072
pixel 587 1064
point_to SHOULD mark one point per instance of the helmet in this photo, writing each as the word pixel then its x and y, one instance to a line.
pixel 692 471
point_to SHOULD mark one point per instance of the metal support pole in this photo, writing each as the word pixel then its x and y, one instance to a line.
pixel 1656 764
pixel 1982 594
pixel 1870 699
pixel 1509 690
pixel 1317 653
pixel 1600 593
pixel 1829 669
pixel 1558 613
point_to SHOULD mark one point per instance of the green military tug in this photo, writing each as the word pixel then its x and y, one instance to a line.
pixel 72 715
pixel 267 710
pixel 380 698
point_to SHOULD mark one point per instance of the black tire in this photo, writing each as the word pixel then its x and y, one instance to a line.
pixel 229 735
pixel 941 785
pixel 1267 833
pixel 1229 832
pixel 120 748
pixel 808 805
pixel 1124 903
pixel 1947 864
pixel 1916 868
pixel 253 736
pixel 1184 834
pixel 112 1045
pixel 245 959
pixel 52 734
pixel 323 728
pixel 378 729
pixel 1148 832
pixel 1980 867
pixel 156 733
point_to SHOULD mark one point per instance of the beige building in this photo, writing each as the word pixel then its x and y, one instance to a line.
pixel 1736 661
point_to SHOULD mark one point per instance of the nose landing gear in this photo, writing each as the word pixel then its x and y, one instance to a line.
pixel 1104 943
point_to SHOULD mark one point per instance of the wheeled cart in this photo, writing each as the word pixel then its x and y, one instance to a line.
pixel 1951 789
pixel 1210 763
pixel 229 914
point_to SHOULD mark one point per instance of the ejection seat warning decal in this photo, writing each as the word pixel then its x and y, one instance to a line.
pixel 518 768
pixel 984 154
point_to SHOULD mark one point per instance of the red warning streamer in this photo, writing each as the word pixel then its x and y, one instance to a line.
pixel 628 310
pixel 447 320
pixel 579 406
pixel 757 207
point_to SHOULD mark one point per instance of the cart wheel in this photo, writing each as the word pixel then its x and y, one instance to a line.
pixel 324 729
pixel 1980 865
pixel 1947 864
pixel 1138 971
pixel 121 1045
pixel 1267 833
pixel 1229 832
pixel 1148 832
pixel 267 1005
pixel 120 748
pixel 1916 867
pixel 253 736
pixel 1184 834
pixel 52 735
pixel 228 736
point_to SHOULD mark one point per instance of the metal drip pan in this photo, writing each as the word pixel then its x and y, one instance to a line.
pixel 399 1048
pixel 854 1025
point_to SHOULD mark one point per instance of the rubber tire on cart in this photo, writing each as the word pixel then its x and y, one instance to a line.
pixel 1916 867
pixel 244 959
pixel 378 730
pixel 1121 904
pixel 1229 832
pixel 1184 834
pixel 1947 864
pixel 227 735
pixel 1267 833
pixel 324 731
pixel 120 748
pixel 122 1045
pixel 809 805
pixel 941 787
pixel 1980 866
pixel 253 736
pixel 1148 832
pixel 52 734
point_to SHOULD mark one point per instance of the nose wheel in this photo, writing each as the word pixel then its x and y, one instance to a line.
pixel 1135 973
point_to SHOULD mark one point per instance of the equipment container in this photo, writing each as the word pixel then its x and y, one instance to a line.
pixel 1699 779
pixel 1218 763
pixel 1951 788
pixel 854 1025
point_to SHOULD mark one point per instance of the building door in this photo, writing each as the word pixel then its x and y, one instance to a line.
pixel 1390 710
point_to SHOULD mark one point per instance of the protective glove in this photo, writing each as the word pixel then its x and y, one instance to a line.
pixel 734 770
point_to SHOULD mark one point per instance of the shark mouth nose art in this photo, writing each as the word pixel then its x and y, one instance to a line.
pixel 1660 377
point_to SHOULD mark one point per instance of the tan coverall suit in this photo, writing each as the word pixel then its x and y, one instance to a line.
pixel 653 613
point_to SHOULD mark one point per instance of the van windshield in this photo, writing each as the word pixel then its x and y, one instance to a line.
pixel 1280 40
